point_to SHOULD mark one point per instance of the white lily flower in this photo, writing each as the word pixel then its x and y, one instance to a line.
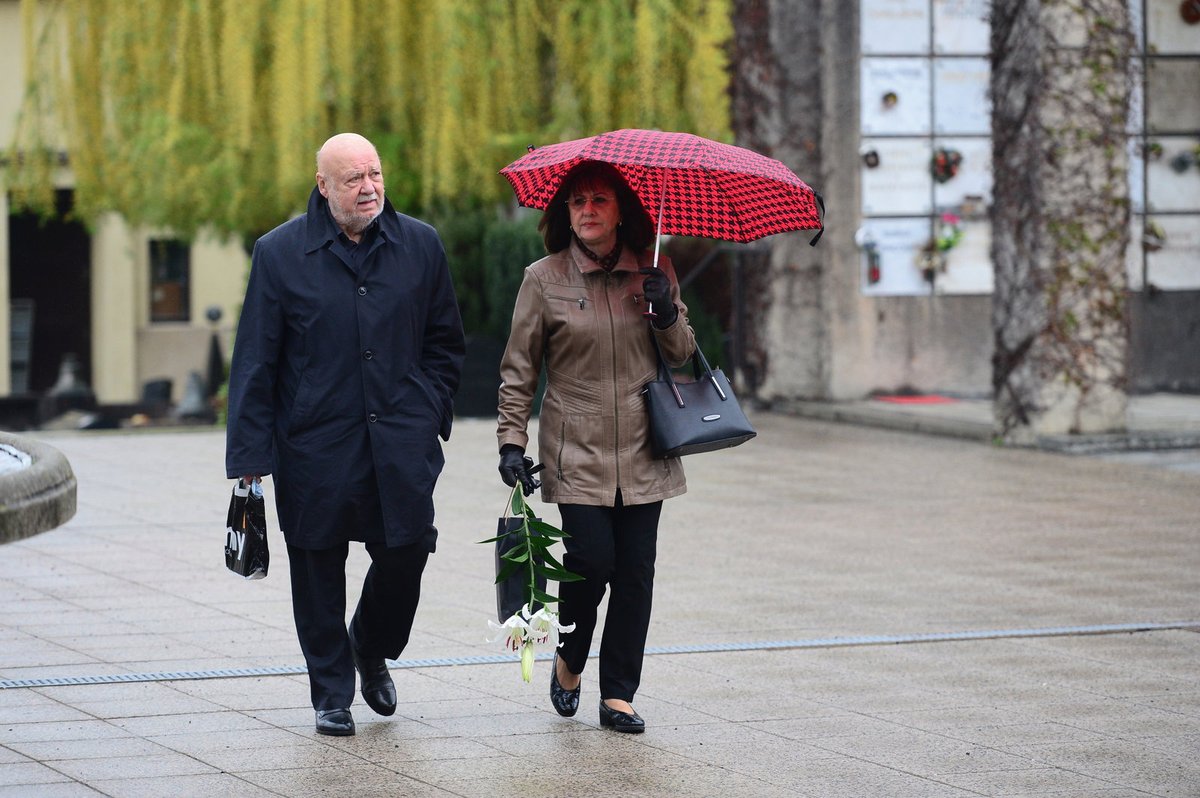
pixel 514 631
pixel 526 631
pixel 544 627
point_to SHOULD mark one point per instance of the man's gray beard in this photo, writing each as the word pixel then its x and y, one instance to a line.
pixel 354 222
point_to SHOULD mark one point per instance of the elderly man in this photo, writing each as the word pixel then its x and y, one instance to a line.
pixel 347 357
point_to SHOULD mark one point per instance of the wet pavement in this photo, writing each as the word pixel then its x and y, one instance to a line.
pixel 840 610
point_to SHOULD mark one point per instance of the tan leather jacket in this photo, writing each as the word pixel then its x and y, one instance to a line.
pixel 587 325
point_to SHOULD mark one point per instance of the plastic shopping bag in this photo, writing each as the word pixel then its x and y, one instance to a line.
pixel 246 552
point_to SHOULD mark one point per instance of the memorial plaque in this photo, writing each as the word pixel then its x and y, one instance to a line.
pixel 898 242
pixel 974 178
pixel 1176 267
pixel 969 265
pixel 895 96
pixel 1168 189
pixel 902 182
pixel 1171 86
pixel 1167 32
pixel 961 27
pixel 894 26
pixel 960 100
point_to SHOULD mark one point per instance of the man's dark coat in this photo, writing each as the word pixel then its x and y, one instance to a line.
pixel 340 374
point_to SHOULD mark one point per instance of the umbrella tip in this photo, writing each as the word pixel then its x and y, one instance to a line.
pixel 530 148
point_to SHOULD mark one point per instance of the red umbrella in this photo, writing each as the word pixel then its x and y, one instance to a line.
pixel 693 186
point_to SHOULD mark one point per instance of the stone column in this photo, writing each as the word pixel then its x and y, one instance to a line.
pixel 1061 85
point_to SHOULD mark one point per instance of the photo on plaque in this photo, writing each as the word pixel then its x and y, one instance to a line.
pixel 895 96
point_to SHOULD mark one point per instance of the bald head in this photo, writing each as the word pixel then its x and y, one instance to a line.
pixel 350 177
pixel 342 146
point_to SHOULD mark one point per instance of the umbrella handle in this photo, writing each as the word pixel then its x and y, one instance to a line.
pixel 662 201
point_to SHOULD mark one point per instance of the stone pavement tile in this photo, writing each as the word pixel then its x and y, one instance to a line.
pixel 9 756
pixel 1041 780
pixel 28 773
pixel 203 723
pixel 396 752
pixel 43 731
pixel 1123 763
pixel 924 753
pixel 849 777
pixel 1177 745
pixel 167 764
pixel 739 749
pixel 214 785
pixel 153 699
pixel 360 781
pixel 49 751
pixel 201 741
pixel 621 778
pixel 51 711
pixel 1118 718
pixel 302 754
pixel 828 726
pixel 1005 736
pixel 530 722
pixel 30 651
pixel 66 789
pixel 247 693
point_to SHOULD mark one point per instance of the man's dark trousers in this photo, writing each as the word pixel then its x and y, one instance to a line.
pixel 381 623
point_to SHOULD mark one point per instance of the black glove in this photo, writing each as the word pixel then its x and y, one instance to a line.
pixel 514 467
pixel 657 290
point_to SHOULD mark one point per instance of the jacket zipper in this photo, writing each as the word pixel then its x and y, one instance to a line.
pixel 581 301
pixel 562 444
pixel 612 331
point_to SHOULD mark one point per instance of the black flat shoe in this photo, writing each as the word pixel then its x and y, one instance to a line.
pixel 566 702
pixel 335 722
pixel 378 689
pixel 630 723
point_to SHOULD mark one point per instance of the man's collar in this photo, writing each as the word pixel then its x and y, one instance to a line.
pixel 322 229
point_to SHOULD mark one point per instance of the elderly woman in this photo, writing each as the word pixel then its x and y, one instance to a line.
pixel 581 314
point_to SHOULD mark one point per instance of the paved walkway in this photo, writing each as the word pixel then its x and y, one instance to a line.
pixel 841 610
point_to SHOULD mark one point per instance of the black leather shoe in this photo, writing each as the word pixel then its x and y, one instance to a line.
pixel 630 723
pixel 335 722
pixel 378 689
pixel 566 702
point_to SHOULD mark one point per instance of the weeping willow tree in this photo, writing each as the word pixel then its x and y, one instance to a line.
pixel 195 113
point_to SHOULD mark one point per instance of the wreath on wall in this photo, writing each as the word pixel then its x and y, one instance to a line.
pixel 946 163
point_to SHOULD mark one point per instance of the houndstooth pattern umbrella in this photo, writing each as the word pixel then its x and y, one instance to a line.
pixel 691 185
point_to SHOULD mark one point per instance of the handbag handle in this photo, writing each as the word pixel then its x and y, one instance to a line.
pixel 700 368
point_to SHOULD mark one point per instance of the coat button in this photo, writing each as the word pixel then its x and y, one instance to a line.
pixel 368 354
pixel 362 290
pixel 372 417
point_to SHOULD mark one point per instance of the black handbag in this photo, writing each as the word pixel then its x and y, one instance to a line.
pixel 246 552
pixel 693 417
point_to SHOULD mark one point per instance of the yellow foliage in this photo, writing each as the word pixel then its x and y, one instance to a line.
pixel 193 112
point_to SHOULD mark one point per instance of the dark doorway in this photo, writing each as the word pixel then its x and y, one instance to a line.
pixel 49 275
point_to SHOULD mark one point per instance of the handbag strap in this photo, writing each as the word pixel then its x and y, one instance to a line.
pixel 700 368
